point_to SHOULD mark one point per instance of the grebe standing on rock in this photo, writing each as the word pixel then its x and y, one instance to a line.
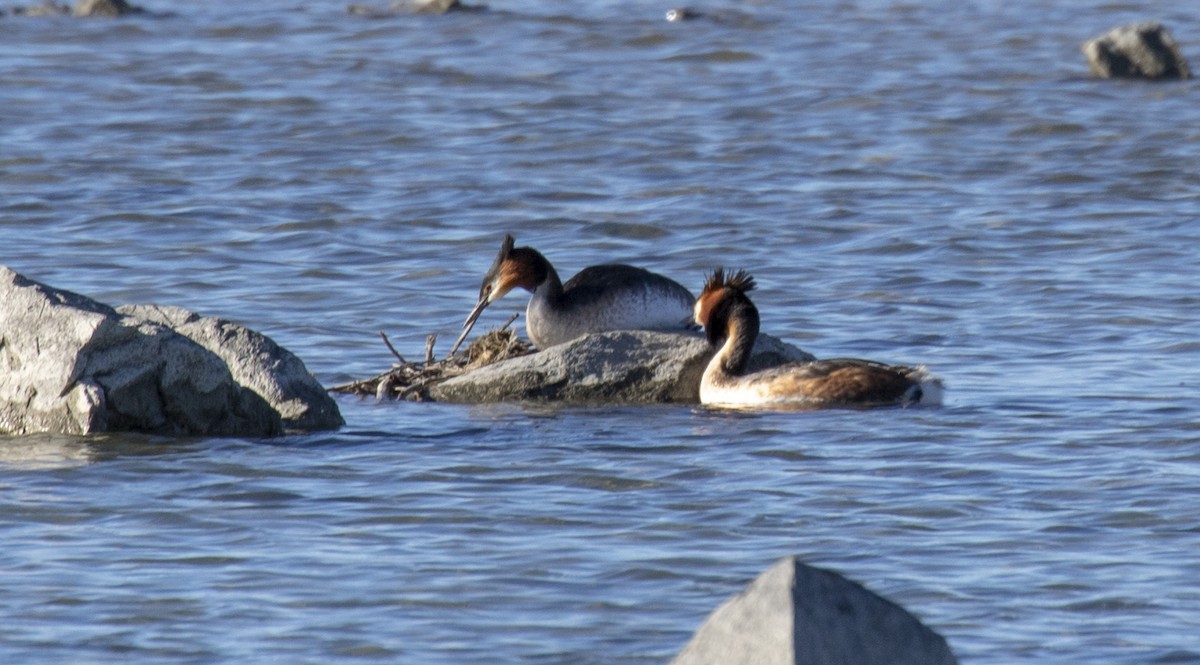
pixel 598 298
pixel 727 314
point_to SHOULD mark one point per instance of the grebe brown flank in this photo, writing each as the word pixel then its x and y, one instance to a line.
pixel 731 322
pixel 598 298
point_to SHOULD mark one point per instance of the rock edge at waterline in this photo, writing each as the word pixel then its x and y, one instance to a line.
pixel 795 614
pixel 618 367
pixel 71 365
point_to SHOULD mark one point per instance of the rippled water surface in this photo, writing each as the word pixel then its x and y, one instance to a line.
pixel 909 181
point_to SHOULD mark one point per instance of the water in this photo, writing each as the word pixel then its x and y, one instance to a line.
pixel 909 182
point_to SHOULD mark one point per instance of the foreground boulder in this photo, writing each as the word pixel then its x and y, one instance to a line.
pixel 794 614
pixel 618 367
pixel 1140 50
pixel 72 365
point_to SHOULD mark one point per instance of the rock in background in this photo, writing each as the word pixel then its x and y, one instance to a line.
pixel 414 7
pixel 72 365
pixel 618 367
pixel 104 8
pixel 1140 50
pixel 81 8
pixel 794 614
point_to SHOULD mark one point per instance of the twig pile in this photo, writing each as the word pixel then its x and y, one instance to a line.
pixel 411 380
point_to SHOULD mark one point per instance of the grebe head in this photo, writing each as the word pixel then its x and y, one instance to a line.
pixel 513 267
pixel 722 292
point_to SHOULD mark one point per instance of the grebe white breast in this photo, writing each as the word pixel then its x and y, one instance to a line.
pixel 731 323
pixel 598 298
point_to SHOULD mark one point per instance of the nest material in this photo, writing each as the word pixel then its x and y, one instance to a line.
pixel 411 381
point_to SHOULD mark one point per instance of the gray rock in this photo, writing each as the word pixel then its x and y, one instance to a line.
pixel 682 14
pixel 81 8
pixel 47 8
pixel 71 365
pixel 414 7
pixel 104 8
pixel 616 367
pixel 794 614
pixel 256 362
pixel 1139 50
pixel 426 6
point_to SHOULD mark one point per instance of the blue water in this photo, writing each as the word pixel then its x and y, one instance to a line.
pixel 909 182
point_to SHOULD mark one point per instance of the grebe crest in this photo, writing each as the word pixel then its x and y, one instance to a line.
pixel 738 281
pixel 721 291
pixel 731 324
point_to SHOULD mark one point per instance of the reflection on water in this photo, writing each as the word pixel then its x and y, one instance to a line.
pixel 54 451
pixel 45 451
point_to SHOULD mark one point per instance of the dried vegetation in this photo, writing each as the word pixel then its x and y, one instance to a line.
pixel 411 381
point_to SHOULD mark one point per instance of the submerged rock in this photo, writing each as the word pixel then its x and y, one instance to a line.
pixel 794 614
pixel 1139 50
pixel 617 367
pixel 71 365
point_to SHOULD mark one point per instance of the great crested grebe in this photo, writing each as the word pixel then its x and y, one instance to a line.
pixel 598 298
pixel 727 314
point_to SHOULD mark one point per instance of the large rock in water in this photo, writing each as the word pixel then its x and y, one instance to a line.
pixel 1139 50
pixel 794 614
pixel 619 367
pixel 72 365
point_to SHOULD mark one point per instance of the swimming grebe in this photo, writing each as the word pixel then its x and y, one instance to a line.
pixel 598 298
pixel 727 314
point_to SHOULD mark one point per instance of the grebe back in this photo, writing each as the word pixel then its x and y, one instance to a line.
pixel 598 298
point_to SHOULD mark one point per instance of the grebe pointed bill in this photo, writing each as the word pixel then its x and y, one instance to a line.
pixel 731 324
pixel 597 299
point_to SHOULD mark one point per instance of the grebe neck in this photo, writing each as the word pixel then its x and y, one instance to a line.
pixel 543 278
pixel 736 321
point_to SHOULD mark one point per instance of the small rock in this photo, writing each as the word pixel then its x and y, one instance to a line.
pixel 104 8
pixel 1140 50
pixel 682 14
pixel 414 7
pixel 616 367
pixel 794 614
pixel 426 6
pixel 82 8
